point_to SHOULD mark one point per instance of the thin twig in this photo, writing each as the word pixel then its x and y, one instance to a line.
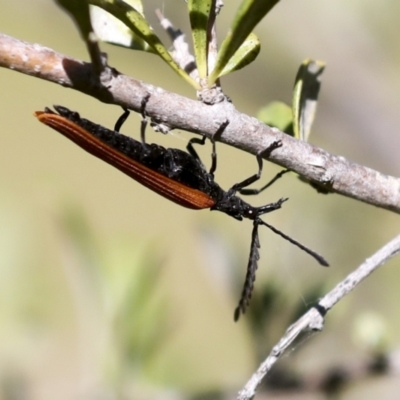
pixel 212 95
pixel 99 60
pixel 80 14
pixel 332 172
pixel 313 320
pixel 181 52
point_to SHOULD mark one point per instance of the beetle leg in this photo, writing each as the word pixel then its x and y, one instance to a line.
pixel 121 120
pixel 238 187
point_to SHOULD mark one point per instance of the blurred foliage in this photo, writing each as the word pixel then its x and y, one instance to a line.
pixel 277 114
pixel 123 278
pixel 113 288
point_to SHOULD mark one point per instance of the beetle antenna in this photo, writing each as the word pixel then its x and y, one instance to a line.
pixel 251 272
pixel 253 265
pixel 312 253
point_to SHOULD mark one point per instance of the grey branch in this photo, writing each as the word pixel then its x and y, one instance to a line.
pixel 331 172
pixel 313 320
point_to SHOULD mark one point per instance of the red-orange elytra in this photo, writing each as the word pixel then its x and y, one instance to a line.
pixel 167 187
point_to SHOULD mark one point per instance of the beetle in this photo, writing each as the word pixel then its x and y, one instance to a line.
pixel 175 174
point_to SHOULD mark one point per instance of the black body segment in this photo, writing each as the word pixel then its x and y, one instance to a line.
pixel 178 176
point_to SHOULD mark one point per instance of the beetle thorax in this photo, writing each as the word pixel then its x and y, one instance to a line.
pixel 235 207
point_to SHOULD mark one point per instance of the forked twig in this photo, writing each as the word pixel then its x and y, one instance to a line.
pixel 313 320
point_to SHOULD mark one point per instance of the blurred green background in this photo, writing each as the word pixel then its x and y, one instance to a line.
pixel 108 291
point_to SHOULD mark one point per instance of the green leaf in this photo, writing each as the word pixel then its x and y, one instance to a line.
pixel 305 97
pixel 246 54
pixel 138 24
pixel 250 13
pixel 199 13
pixel 277 114
pixel 111 30
pixel 304 105
pixel 137 310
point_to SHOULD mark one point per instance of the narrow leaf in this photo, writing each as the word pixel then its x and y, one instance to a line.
pixel 138 24
pixel 111 30
pixel 250 13
pixel 246 54
pixel 199 13
pixel 305 97
pixel 277 114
